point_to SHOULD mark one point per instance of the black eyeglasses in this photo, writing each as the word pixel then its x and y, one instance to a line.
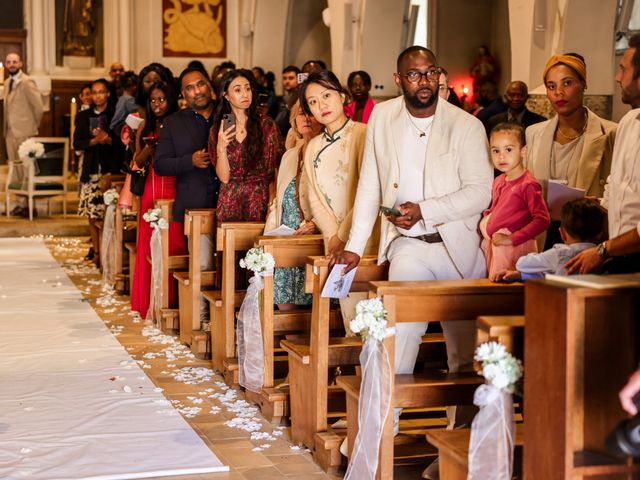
pixel 413 76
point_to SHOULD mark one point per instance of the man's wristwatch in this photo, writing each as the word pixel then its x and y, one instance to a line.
pixel 601 250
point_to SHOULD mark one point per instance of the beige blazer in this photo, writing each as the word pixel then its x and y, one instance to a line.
pixel 457 181
pixel 322 213
pixel 287 172
pixel 595 160
pixel 22 108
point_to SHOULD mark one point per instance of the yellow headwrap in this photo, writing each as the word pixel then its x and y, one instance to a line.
pixel 569 60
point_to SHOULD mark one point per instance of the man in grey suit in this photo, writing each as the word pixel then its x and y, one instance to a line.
pixel 22 114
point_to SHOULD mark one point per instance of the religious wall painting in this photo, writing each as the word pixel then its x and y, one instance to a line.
pixel 194 28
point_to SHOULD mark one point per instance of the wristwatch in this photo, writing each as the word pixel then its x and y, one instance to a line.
pixel 601 250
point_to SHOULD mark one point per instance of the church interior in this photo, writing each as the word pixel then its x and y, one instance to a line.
pixel 320 239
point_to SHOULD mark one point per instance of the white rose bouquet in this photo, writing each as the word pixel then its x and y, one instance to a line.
pixel 154 218
pixel 110 197
pixel 493 428
pixel 248 327
pixel 258 261
pixel 370 319
pixel 501 369
pixel 30 149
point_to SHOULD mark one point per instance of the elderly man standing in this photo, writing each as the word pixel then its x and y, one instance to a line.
pixel 516 97
pixel 621 194
pixel 22 114
pixel 429 160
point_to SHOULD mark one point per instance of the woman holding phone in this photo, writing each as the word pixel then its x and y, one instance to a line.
pixel 161 103
pixel 103 155
pixel 245 148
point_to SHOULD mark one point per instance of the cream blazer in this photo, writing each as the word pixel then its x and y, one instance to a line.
pixel 287 172
pixel 322 213
pixel 22 108
pixel 457 181
pixel 595 160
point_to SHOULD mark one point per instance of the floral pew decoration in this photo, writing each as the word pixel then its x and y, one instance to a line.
pixel 493 428
pixel 157 223
pixel 375 388
pixel 108 252
pixel 248 328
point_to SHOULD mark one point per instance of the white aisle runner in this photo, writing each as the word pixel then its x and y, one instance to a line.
pixel 61 414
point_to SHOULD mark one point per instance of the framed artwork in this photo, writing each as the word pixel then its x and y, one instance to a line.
pixel 194 28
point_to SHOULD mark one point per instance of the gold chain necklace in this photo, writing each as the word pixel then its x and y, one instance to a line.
pixel 422 133
pixel 584 128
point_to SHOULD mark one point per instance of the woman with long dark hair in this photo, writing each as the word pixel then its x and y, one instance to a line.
pixel 246 153
pixel 162 102
pixel 103 155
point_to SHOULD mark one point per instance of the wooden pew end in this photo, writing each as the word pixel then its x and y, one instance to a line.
pixel 201 344
pixel 273 403
pixel 170 321
pixel 230 372
pixel 326 452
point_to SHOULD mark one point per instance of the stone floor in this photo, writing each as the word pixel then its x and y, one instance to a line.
pixel 234 430
pixel 72 225
pixel 269 455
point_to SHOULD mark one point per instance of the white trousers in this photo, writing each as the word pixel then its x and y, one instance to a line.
pixel 414 260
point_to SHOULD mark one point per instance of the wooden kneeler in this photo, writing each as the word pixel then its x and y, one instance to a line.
pixel 452 300
pixel 231 237
pixel 192 282
pixel 309 363
pixel 291 251
pixel 169 317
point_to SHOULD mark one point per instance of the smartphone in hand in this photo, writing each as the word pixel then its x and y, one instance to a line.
pixel 390 211
pixel 228 119
pixel 151 141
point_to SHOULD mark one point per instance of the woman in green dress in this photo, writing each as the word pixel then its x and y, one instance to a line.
pixel 290 207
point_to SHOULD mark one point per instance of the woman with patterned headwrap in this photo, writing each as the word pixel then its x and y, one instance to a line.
pixel 574 147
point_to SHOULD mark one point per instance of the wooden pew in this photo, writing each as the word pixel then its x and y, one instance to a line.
pixel 231 237
pixel 453 450
pixel 429 301
pixel 291 251
pixel 191 282
pixel 507 330
pixel 309 363
pixel 169 317
pixel 580 348
pixel 132 249
pixel 125 231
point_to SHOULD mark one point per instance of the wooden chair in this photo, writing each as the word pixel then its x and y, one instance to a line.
pixel 231 237
pixel 197 222
pixel 429 301
pixel 453 450
pixel 580 348
pixel 169 317
pixel 47 181
pixel 309 363
pixel 291 251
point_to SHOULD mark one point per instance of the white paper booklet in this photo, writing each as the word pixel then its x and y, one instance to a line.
pixel 338 285
pixel 558 193
pixel 281 231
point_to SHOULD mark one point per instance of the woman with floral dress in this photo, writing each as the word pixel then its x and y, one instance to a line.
pixel 246 154
pixel 290 207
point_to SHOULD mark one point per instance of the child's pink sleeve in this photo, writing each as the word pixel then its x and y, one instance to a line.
pixel 540 219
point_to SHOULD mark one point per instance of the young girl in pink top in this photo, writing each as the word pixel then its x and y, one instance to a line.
pixel 518 214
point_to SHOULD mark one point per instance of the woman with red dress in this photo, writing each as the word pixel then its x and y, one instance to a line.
pixel 246 154
pixel 161 103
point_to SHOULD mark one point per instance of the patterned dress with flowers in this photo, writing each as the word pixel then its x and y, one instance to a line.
pixel 289 282
pixel 245 197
